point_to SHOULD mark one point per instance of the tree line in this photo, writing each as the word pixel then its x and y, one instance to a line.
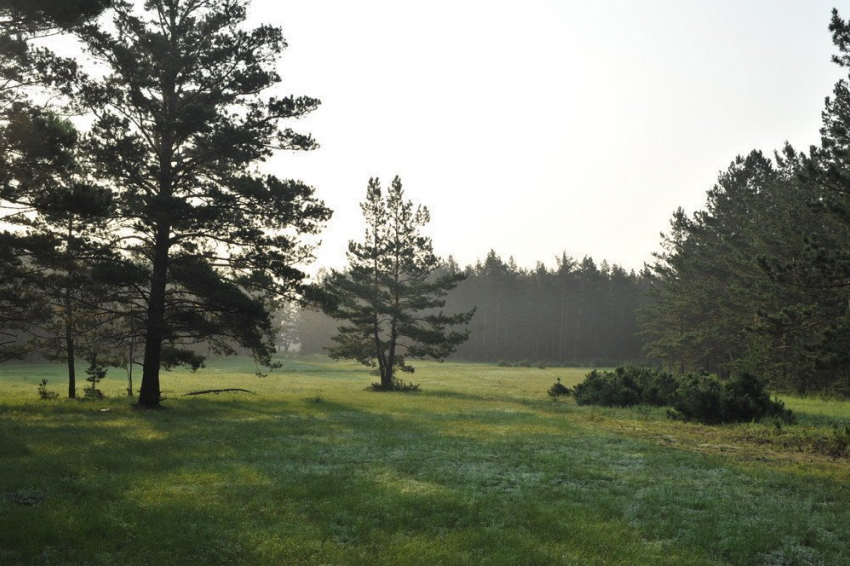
pixel 576 312
pixel 759 280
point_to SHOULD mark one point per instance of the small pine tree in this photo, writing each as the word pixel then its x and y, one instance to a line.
pixel 44 393
pixel 95 372
pixel 393 292
pixel 558 389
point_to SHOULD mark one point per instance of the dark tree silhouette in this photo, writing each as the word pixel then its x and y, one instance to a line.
pixel 39 189
pixel 180 123
pixel 758 281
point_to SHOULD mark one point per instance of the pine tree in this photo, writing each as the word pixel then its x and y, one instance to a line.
pixel 391 295
pixel 36 148
pixel 62 244
pixel 181 124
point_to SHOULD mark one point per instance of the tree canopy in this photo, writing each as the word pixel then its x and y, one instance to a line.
pixel 181 121
pixel 391 295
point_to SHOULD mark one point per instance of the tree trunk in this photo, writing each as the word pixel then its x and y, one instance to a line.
pixel 130 367
pixel 394 321
pixel 386 372
pixel 149 393
pixel 69 346
pixel 387 377
pixel 390 357
pixel 69 317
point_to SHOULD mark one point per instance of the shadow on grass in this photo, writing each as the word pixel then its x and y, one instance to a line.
pixel 261 481
pixel 483 397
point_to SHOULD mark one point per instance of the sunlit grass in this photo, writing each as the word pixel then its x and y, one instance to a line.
pixel 479 468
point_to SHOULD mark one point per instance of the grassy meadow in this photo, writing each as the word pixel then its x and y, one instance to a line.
pixel 479 468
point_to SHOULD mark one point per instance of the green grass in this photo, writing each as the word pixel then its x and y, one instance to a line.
pixel 479 468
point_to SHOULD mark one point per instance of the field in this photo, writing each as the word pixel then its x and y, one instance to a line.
pixel 479 468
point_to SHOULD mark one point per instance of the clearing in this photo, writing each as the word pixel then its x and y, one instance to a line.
pixel 479 468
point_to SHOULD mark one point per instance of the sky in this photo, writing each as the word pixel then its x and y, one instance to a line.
pixel 539 126
pixel 536 127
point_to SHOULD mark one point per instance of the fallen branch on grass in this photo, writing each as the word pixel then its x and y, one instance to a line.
pixel 217 391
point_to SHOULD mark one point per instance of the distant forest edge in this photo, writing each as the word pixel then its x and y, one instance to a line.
pixel 577 313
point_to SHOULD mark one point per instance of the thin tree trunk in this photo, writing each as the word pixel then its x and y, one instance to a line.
pixel 69 346
pixel 386 372
pixel 69 317
pixel 130 367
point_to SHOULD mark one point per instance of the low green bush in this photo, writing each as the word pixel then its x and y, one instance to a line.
pixel 625 387
pixel 609 389
pixel 697 397
pixel 558 389
pixel 740 399
pixel 657 388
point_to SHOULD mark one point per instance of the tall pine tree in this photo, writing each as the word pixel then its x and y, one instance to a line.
pixel 181 123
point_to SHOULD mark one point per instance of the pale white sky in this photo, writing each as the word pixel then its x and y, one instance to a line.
pixel 536 126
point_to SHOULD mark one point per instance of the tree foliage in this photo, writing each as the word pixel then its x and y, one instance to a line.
pixel 391 295
pixel 759 280
pixel 181 122
pixel 42 193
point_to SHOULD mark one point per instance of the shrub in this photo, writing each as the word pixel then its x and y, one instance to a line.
pixel 741 399
pixel 558 389
pixel 696 397
pixel 93 394
pixel 504 364
pixel 657 388
pixel 540 365
pixel 95 373
pixel 747 400
pixel 398 385
pixel 699 397
pixel 625 387
pixel 609 389
pixel 523 364
pixel 43 392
